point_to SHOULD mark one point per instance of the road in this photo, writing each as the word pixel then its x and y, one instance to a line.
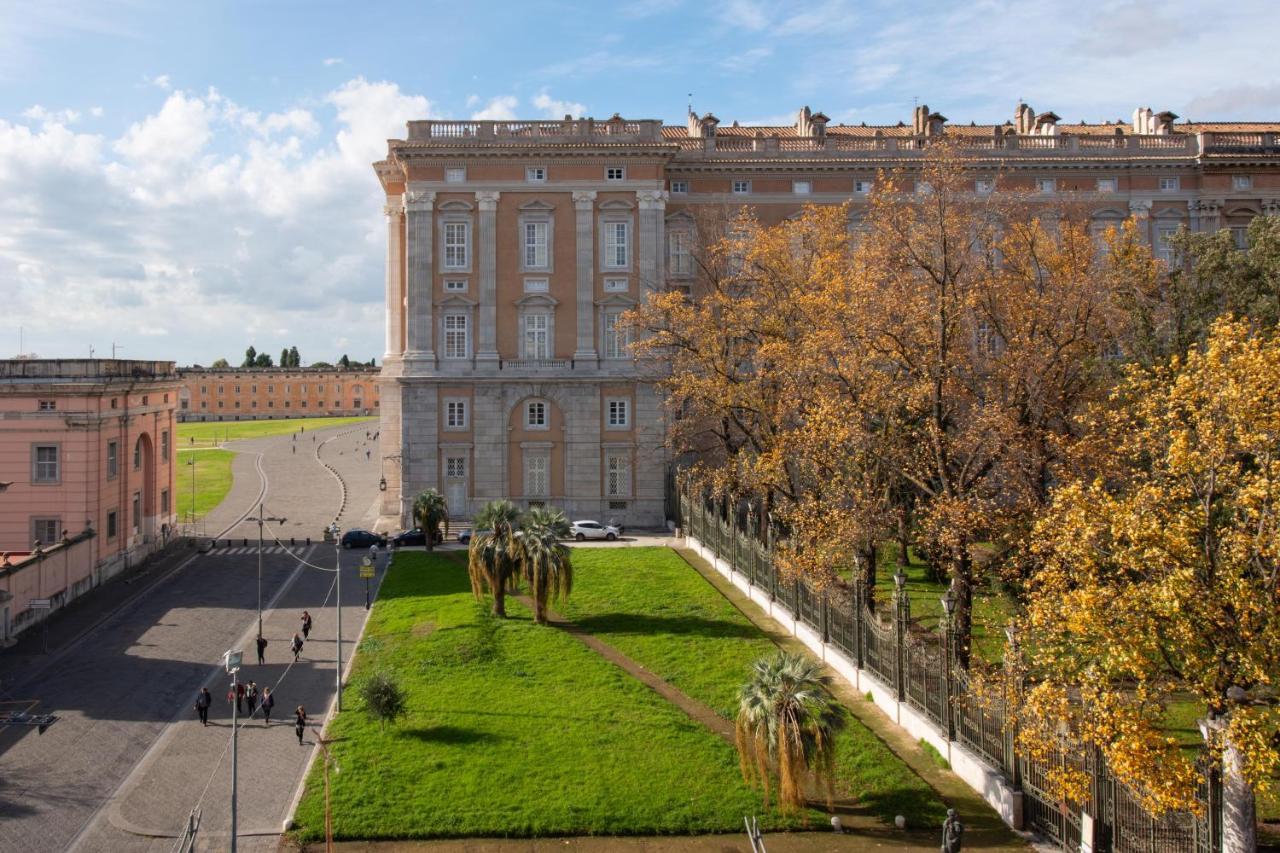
pixel 127 760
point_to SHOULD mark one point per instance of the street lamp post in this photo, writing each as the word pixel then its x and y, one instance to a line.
pixel 192 463
pixel 261 518
pixel 337 565
pixel 232 660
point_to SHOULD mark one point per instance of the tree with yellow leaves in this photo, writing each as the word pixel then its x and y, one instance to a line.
pixel 1159 578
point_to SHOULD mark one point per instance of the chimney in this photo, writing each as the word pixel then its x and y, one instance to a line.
pixel 804 123
pixel 701 128
pixel 1047 124
pixel 695 126
pixel 1163 123
pixel 920 120
pixel 934 124
pixel 1143 121
pixel 709 123
pixel 818 122
pixel 1024 119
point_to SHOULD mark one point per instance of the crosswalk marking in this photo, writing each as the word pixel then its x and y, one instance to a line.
pixel 244 550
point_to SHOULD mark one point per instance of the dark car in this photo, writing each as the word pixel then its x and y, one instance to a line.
pixel 465 534
pixel 415 537
pixel 357 538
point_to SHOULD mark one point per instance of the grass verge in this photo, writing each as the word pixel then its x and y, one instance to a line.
pixel 512 730
pixel 212 481
pixel 214 433
pixel 653 607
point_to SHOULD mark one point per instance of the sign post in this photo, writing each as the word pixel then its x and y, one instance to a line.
pixel 366 572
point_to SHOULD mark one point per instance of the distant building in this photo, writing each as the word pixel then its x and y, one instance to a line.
pixel 257 393
pixel 87 461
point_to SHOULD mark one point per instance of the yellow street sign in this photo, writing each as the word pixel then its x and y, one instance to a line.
pixel 366 571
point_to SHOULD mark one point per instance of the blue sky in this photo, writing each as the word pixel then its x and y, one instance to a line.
pixel 184 179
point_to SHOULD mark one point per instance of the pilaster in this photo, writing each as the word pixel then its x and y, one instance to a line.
pixel 653 205
pixel 394 212
pixel 487 246
pixel 1140 210
pixel 419 440
pixel 584 202
pixel 1205 213
pixel 418 232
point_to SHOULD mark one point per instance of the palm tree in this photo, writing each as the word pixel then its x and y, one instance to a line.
pixel 787 721
pixel 493 559
pixel 544 559
pixel 430 511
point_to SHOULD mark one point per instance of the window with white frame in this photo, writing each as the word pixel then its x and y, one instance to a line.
pixel 615 285
pixel 455 285
pixel 113 459
pixel 679 261
pixel 1240 236
pixel 1164 242
pixel 618 413
pixel 47 406
pixel 537 470
pixel 1046 185
pixel 456 249
pixel 164 445
pixel 45 531
pixel 862 187
pixel 44 463
pixel 741 187
pixel 455 466
pixel 615 173
pixel 617 475
pixel 802 187
pixel 679 187
pixel 536 340
pixel 457 338
pixel 535 415
pixel 1106 185
pixel 535 245
pixel 536 285
pixel 616 337
pixel 1170 185
pixel 455 414
pixel 455 175
pixel 535 174
pixel 617 244
pixel 984 186
pixel 1241 182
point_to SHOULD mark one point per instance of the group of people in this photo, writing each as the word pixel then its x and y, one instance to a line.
pixel 241 694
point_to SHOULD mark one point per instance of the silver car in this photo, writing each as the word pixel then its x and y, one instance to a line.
pixel 582 530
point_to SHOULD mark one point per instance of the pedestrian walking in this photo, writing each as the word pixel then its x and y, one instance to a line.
pixel 296 646
pixel 252 696
pixel 368 454
pixel 239 697
pixel 295 437
pixel 262 649
pixel 203 701
pixel 300 722
pixel 268 702
pixel 306 625
pixel 295 448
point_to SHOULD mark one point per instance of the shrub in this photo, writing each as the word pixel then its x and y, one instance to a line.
pixel 383 698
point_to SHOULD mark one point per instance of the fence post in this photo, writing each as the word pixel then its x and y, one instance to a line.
pixel 948 673
pixel 824 618
pixel 859 639
pixel 902 617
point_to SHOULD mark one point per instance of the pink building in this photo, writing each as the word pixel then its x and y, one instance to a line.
pixel 86 475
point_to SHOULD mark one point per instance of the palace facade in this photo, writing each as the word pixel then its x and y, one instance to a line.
pixel 258 393
pixel 514 246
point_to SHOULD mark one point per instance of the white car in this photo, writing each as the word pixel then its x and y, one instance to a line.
pixel 581 530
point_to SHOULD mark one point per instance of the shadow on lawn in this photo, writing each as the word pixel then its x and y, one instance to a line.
pixel 634 623
pixel 451 734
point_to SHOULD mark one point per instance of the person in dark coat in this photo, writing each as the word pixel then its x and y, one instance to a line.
pixel 306 625
pixel 252 696
pixel 299 722
pixel 203 701
pixel 296 646
pixel 262 649
pixel 239 697
pixel 268 702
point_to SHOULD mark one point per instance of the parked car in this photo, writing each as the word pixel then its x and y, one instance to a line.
pixel 466 533
pixel 581 530
pixel 415 537
pixel 357 538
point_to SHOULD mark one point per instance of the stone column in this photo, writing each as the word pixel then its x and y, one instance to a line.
pixel 653 206
pixel 1140 209
pixel 487 256
pixel 394 212
pixel 584 203
pixel 418 234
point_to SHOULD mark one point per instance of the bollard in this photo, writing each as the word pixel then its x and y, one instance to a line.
pixel 308 540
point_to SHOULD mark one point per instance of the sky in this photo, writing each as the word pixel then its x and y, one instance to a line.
pixel 185 179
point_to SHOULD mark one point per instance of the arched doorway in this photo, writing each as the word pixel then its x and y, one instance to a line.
pixel 143 508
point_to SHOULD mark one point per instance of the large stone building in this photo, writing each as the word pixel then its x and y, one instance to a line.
pixel 513 246
pixel 87 462
pixel 254 393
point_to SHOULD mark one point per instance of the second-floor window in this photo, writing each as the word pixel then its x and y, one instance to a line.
pixel 537 336
pixel 535 245
pixel 617 244
pixel 535 415
pixel 457 342
pixel 456 414
pixel 45 464
pixel 679 261
pixel 455 246
pixel 616 338
pixel 619 413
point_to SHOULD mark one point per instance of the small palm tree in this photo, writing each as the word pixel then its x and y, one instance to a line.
pixel 493 559
pixel 430 511
pixel 544 559
pixel 787 721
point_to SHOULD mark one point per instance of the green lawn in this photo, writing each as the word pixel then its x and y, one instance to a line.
pixel 212 481
pixel 213 433
pixel 512 730
pixel 651 605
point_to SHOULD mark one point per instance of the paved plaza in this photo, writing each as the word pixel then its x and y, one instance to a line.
pixel 128 760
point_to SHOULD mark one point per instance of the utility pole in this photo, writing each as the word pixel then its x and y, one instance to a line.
pixel 337 565
pixel 261 518
pixel 232 659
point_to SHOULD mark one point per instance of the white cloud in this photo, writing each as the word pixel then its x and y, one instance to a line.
pixel 501 107
pixel 160 81
pixel 747 14
pixel 555 108
pixel 747 59
pixel 46 117
pixel 96 112
pixel 334 60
